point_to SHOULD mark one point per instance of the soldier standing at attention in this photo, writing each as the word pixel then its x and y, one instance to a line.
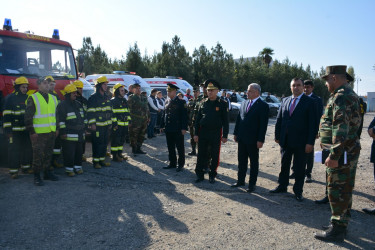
pixel 57 146
pixel 139 114
pixel 40 122
pixel 211 128
pixel 121 113
pixel 19 151
pixel 191 107
pixel 338 134
pixel 99 115
pixel 71 125
pixel 174 124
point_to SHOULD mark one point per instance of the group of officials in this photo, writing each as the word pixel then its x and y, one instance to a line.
pixel 299 122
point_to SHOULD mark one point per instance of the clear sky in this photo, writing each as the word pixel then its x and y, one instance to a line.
pixel 314 32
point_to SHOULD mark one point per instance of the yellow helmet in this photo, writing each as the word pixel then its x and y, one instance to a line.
pixel 70 88
pixel 50 78
pixel 21 80
pixel 101 79
pixel 118 85
pixel 78 84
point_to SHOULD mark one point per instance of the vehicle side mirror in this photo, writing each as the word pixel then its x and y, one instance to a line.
pixel 81 60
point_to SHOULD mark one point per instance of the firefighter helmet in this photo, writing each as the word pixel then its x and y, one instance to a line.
pixel 70 88
pixel 21 80
pixel 49 78
pixel 101 79
pixel 118 85
pixel 78 84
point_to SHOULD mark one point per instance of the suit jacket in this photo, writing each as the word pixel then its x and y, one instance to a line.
pixel 251 126
pixel 175 116
pixel 300 128
pixel 319 108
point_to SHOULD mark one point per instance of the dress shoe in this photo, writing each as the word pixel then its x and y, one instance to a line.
pixel 169 166
pixel 369 210
pixel 251 189
pixel 212 180
pixel 49 175
pixel 179 169
pixel 37 180
pixel 278 190
pixel 292 176
pixel 192 153
pixel 308 179
pixel 299 197
pixel 200 179
pixel 237 184
pixel 322 201
pixel 336 233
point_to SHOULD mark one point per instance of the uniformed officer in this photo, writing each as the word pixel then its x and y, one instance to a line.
pixel 57 147
pixel 140 115
pixel 174 123
pixel 191 107
pixel 19 150
pixel 211 128
pixel 338 134
pixel 40 122
pixel 71 125
pixel 81 99
pixel 99 115
pixel 122 116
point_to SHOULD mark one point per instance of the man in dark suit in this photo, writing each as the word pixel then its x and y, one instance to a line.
pixel 249 133
pixel 308 89
pixel 295 132
pixel 174 123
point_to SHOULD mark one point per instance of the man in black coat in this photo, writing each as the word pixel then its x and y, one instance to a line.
pixel 174 123
pixel 249 133
pixel 295 132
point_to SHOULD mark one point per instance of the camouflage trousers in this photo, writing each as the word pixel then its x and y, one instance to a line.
pixel 192 142
pixel 340 184
pixel 137 132
pixel 42 151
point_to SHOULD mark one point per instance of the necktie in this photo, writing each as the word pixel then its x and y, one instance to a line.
pixel 292 106
pixel 249 106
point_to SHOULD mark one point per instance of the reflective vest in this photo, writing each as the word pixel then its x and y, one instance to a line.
pixel 44 120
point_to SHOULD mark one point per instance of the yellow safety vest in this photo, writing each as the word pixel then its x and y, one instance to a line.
pixel 44 120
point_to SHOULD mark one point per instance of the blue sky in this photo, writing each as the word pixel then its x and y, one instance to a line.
pixel 318 33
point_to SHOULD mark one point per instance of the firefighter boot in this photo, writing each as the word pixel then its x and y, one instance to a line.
pixel 116 157
pixel 104 164
pixel 56 164
pixel 78 170
pixel 97 165
pixel 122 156
pixel 37 180
pixel 69 171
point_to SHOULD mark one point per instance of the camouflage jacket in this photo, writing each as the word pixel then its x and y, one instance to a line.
pixel 138 108
pixel 190 109
pixel 340 122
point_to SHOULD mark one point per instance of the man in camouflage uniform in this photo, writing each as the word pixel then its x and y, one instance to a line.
pixel 40 122
pixel 19 151
pixel 191 107
pixel 139 115
pixel 338 134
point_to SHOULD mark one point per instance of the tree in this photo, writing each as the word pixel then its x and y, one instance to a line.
pixel 266 55
pixel 351 72
pixel 134 60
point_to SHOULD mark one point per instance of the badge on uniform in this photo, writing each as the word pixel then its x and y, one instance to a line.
pixel 217 108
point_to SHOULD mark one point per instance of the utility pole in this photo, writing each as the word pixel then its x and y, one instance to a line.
pixel 358 79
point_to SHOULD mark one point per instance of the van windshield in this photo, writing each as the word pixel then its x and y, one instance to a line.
pixel 33 58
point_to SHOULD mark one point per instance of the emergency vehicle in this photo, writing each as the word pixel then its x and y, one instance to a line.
pixel 33 56
pixel 123 77
pixel 161 83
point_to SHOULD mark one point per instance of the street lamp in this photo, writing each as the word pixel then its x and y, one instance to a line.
pixel 358 79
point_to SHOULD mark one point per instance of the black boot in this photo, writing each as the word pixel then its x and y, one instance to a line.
pixel 322 201
pixel 193 152
pixel 139 150
pixel 336 233
pixel 49 175
pixel 134 150
pixel 37 180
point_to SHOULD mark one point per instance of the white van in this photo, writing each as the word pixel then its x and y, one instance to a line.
pixel 88 89
pixel 122 77
pixel 161 83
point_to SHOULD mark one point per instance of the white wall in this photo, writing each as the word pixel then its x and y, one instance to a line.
pixel 370 101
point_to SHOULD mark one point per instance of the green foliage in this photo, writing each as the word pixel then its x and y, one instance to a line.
pixel 351 72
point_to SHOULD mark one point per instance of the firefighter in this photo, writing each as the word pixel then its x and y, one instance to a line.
pixel 57 146
pixel 83 101
pixel 99 115
pixel 19 150
pixel 121 113
pixel 71 124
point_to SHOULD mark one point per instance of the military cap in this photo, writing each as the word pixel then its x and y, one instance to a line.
pixel 349 78
pixel 335 70
pixel 211 84
pixel 172 87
